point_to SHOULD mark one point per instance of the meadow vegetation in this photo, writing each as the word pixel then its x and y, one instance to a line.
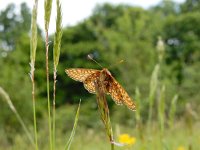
pixel 160 47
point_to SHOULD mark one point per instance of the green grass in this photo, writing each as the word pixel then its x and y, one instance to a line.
pixel 96 139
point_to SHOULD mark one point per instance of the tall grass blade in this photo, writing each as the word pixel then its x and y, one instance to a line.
pixel 172 111
pixel 152 93
pixel 67 146
pixel 47 14
pixel 12 107
pixel 33 47
pixel 139 125
pixel 56 55
pixel 137 115
pixel 161 109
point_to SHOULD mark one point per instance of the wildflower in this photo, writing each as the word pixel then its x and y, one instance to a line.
pixel 127 139
pixel 181 148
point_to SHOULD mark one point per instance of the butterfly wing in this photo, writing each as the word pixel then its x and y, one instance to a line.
pixel 90 76
pixel 119 95
pixel 89 83
pixel 87 76
pixel 80 74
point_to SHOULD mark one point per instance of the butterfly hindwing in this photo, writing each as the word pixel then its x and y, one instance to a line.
pixel 119 95
pixel 89 83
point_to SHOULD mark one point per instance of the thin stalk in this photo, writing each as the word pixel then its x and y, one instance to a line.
pixel 137 115
pixel 48 95
pixel 161 110
pixel 112 146
pixel 68 144
pixel 172 111
pixel 56 55
pixel 33 47
pixel 152 93
pixel 54 107
pixel 47 14
pixel 34 112
pixel 104 110
pixel 12 107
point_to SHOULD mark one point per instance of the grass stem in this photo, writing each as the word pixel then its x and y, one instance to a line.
pixel 48 93
pixel 33 47
pixel 56 55
pixel 12 107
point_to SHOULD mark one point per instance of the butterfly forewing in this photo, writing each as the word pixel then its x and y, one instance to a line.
pixel 80 74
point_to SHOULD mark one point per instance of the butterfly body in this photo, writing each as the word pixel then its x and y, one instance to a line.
pixel 109 85
pixel 106 79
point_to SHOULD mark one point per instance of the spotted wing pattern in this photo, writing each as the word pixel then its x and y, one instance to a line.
pixel 119 95
pixel 90 76
pixel 80 74
pixel 89 83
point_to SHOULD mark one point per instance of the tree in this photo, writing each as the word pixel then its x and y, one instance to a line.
pixel 190 6
pixel 182 34
pixel 11 24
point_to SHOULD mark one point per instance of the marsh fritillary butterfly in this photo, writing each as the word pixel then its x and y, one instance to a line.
pixel 111 86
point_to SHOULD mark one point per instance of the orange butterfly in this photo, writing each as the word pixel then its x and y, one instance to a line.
pixel 111 86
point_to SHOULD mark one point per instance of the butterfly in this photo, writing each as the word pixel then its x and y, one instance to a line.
pixel 110 85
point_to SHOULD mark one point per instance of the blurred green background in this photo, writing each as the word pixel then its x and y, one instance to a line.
pixel 167 35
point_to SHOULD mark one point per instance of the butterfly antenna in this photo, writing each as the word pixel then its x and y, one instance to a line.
pixel 91 58
pixel 119 62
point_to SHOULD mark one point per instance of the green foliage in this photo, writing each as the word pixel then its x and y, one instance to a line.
pixel 166 8
pixel 7 99
pixel 190 5
pixel 161 109
pixel 181 34
pixel 13 24
pixel 172 111
pixel 111 33
pixel 14 65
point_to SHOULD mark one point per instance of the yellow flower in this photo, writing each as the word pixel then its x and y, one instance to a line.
pixel 180 148
pixel 126 139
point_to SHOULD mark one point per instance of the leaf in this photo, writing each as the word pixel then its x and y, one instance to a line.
pixel 67 146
